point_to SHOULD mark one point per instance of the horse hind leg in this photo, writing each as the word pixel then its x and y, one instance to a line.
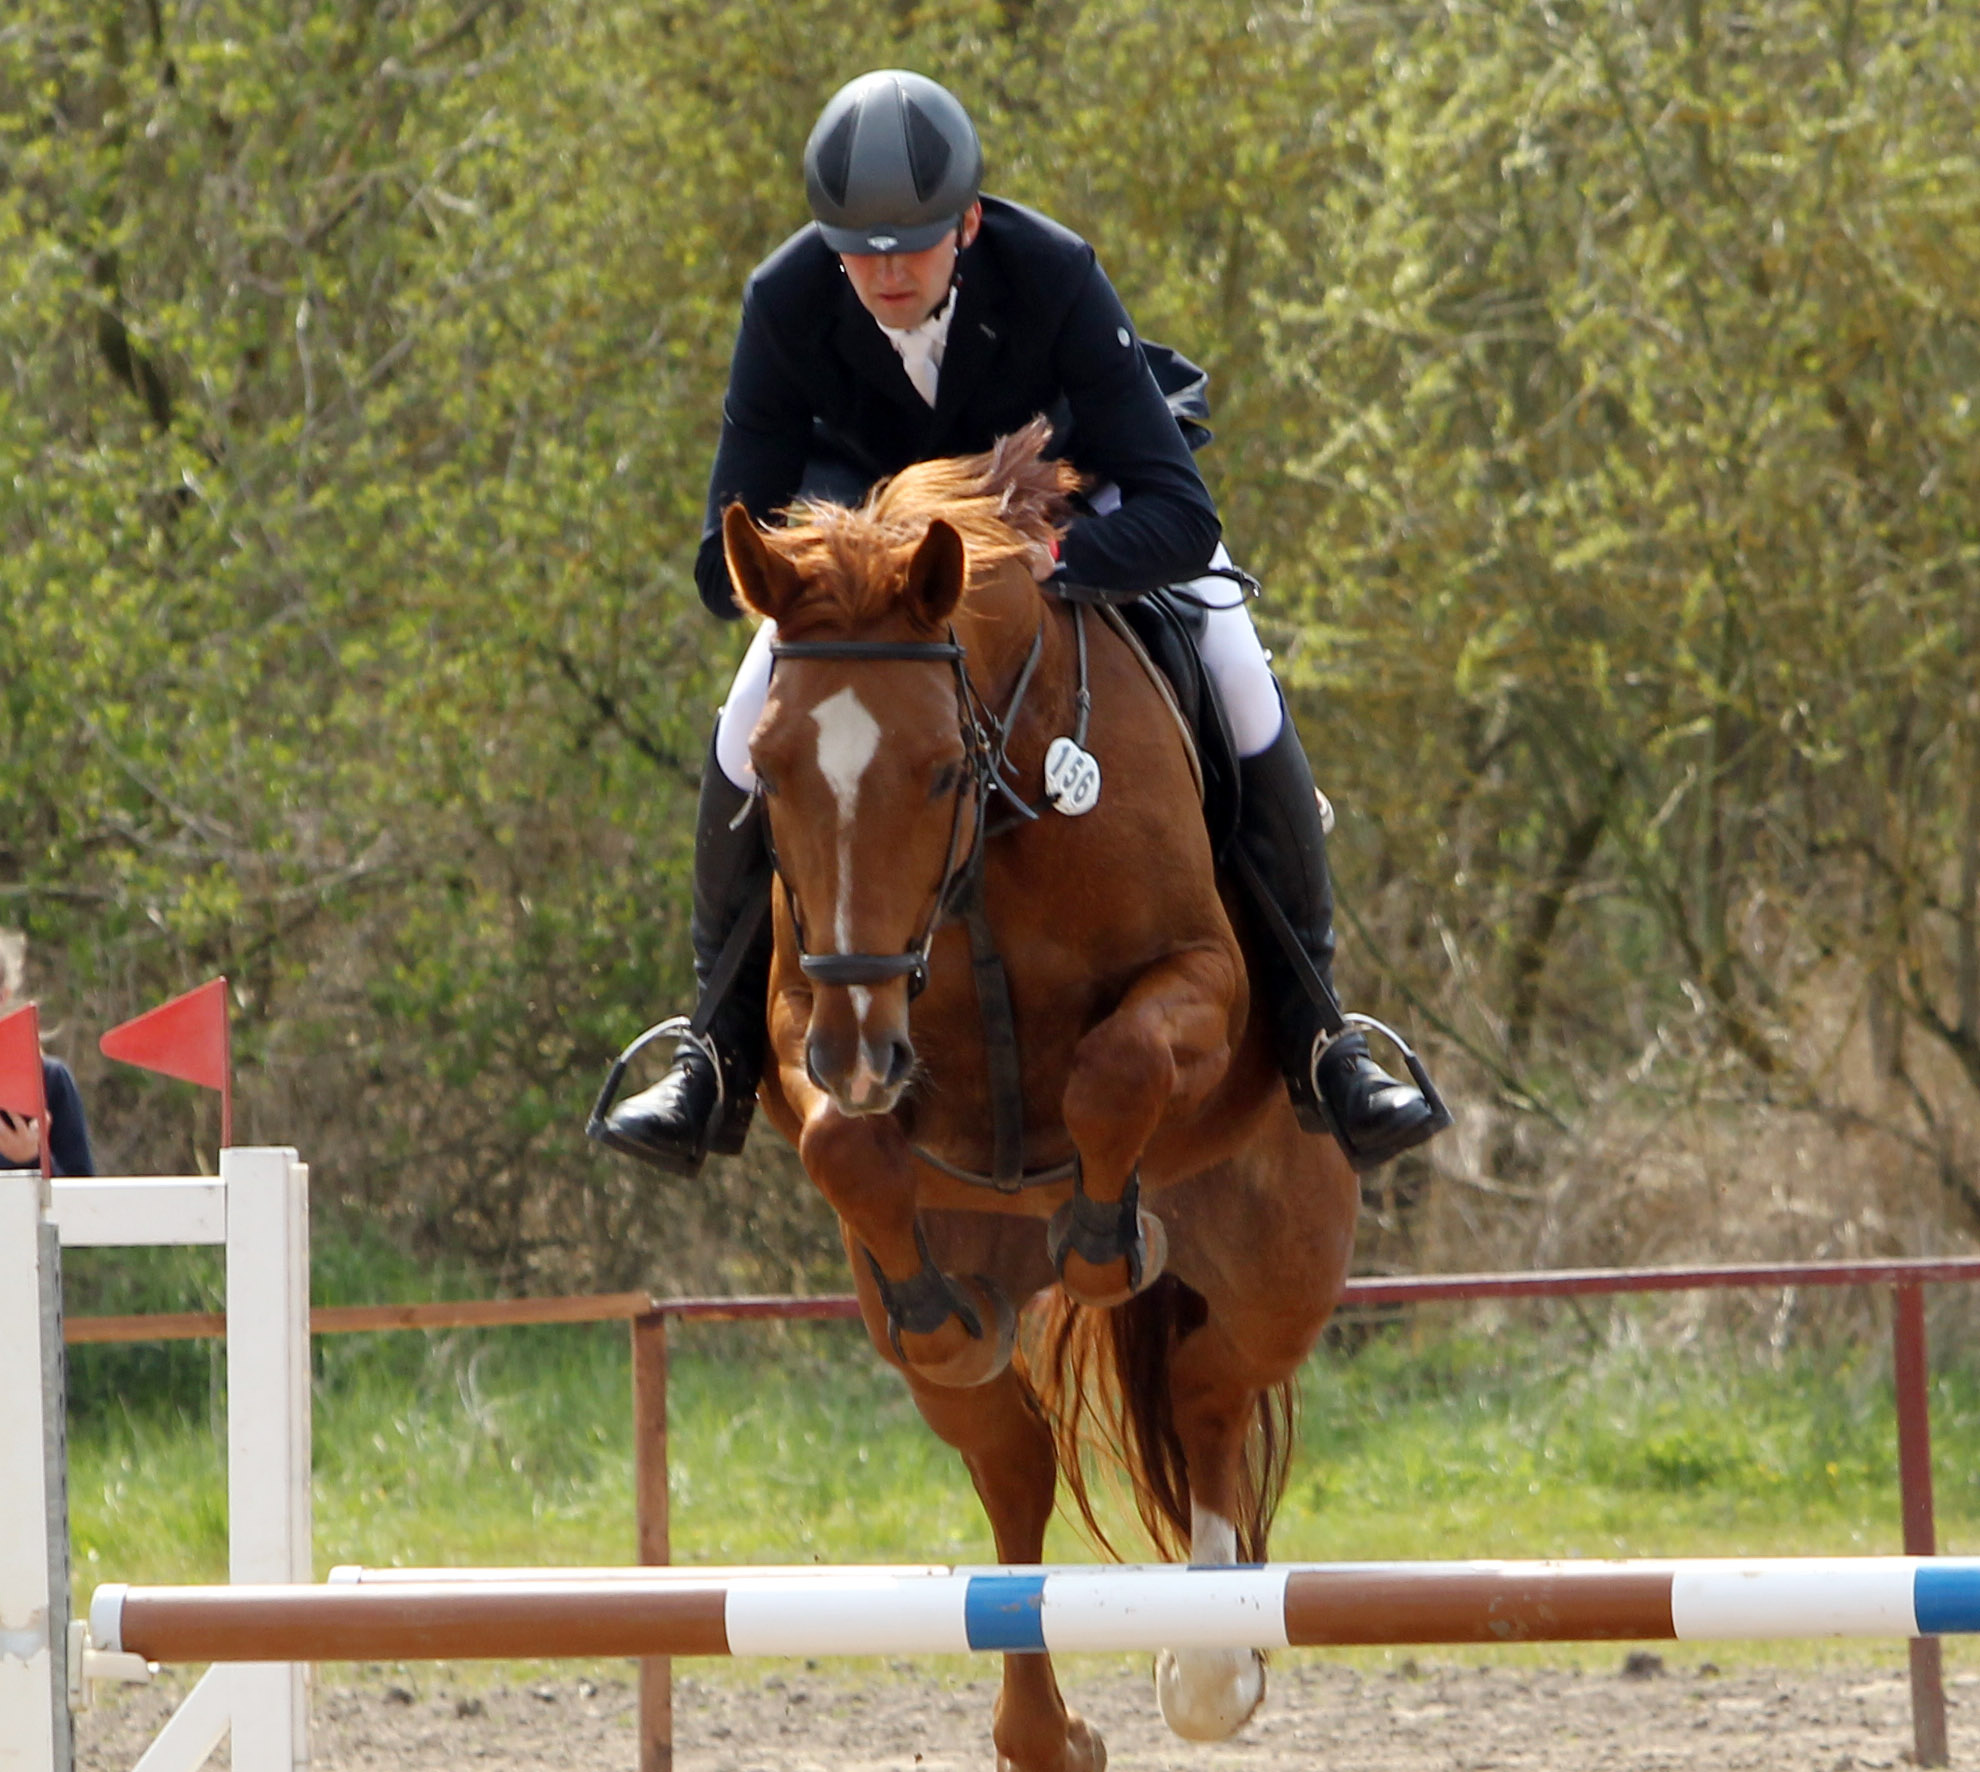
pixel 1209 1694
pixel 1266 1245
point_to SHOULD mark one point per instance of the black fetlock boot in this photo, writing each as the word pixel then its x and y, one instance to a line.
pixel 705 1101
pixel 1281 856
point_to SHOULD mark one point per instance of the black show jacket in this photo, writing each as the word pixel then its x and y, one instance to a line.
pixel 1037 329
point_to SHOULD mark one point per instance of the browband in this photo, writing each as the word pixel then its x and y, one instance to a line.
pixel 918 650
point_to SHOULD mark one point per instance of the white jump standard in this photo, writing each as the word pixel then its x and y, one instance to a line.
pixel 258 1209
pixel 1108 1609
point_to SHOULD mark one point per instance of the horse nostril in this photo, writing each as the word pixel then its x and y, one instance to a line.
pixel 811 1062
pixel 901 1061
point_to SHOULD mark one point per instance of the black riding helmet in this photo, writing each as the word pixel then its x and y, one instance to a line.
pixel 892 164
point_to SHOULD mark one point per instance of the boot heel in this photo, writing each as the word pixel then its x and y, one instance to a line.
pixel 1312 1118
pixel 731 1128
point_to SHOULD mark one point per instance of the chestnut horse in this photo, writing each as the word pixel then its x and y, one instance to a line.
pixel 1151 1162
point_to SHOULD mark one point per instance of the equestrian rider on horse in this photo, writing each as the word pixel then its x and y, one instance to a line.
pixel 915 319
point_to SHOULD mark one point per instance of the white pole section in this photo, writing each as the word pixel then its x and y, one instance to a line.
pixel 146 1211
pixel 268 1431
pixel 36 1733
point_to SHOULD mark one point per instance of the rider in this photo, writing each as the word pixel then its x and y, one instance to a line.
pixel 917 318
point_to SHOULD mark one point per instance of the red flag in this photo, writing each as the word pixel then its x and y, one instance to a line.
pixel 187 1038
pixel 22 1091
pixel 20 1064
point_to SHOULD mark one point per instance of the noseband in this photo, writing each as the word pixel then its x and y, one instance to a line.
pixel 985 737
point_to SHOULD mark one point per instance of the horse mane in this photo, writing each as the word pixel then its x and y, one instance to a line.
pixel 1002 502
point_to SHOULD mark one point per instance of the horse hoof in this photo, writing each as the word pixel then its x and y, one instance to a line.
pixel 1100 1287
pixel 1209 1694
pixel 1084 1751
pixel 979 1358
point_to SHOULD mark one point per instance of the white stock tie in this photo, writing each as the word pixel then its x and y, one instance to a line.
pixel 921 348
pixel 918 359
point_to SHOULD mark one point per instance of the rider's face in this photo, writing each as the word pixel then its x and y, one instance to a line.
pixel 902 289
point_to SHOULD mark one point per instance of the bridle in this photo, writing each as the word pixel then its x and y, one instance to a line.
pixel 986 739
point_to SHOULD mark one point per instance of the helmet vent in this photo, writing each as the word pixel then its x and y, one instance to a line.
pixel 928 150
pixel 833 161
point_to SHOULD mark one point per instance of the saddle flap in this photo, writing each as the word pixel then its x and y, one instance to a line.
pixel 1168 627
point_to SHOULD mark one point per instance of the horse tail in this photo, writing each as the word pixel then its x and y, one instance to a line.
pixel 1102 1381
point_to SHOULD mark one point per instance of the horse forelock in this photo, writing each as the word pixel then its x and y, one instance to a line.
pixel 854 562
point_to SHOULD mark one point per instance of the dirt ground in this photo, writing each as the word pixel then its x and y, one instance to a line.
pixel 1420 1715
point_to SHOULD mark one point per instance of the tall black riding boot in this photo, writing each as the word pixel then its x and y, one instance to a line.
pixel 705 1101
pixel 1282 858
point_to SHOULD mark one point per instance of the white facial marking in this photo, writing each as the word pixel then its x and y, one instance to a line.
pixel 848 740
pixel 1209 1694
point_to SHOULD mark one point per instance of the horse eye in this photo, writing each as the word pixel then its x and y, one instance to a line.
pixel 945 780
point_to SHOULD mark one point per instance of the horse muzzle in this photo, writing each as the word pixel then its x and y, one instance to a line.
pixel 864 1069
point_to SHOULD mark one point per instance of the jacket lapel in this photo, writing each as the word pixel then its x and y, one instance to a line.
pixel 875 364
pixel 976 336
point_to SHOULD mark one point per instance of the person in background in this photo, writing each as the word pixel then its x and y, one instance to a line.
pixel 68 1129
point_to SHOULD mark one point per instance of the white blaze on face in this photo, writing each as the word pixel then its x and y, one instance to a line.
pixel 1209 1694
pixel 848 741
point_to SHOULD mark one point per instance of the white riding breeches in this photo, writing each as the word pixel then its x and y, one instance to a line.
pixel 1238 667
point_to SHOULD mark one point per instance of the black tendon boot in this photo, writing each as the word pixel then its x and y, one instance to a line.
pixel 697 1107
pixel 1282 858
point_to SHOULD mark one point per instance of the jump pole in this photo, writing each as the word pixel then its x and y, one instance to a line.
pixel 1105 1609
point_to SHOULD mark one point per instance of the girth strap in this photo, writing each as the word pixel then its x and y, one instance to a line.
pixel 1312 981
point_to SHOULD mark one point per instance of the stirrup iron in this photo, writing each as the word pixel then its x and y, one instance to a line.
pixel 1440 1115
pixel 679 1029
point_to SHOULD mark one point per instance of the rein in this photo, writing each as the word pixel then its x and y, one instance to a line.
pixel 986 742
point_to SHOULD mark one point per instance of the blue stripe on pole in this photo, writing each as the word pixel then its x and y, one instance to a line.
pixel 1946 1600
pixel 1005 1612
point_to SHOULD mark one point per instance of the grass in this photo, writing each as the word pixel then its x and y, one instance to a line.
pixel 515 1446
pixel 793 1445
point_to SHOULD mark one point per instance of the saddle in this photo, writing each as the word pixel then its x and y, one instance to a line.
pixel 1168 625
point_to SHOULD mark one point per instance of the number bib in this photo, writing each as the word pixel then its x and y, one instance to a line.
pixel 1072 778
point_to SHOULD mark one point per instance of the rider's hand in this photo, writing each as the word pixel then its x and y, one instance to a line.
pixel 20 1139
pixel 1042 561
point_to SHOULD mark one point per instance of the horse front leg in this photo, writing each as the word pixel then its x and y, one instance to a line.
pixel 1166 1047
pixel 946 1328
pixel 951 1329
pixel 1007 1448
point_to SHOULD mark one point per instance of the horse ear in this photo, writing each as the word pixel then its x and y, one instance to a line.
pixel 935 574
pixel 764 580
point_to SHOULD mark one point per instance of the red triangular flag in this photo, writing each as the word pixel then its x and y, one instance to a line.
pixel 20 1064
pixel 186 1038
